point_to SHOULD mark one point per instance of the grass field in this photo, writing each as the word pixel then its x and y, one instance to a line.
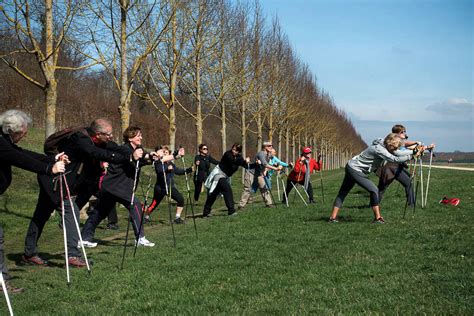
pixel 277 261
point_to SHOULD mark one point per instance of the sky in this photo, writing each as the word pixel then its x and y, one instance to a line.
pixel 384 62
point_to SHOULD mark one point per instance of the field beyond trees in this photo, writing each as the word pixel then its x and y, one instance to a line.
pixel 279 261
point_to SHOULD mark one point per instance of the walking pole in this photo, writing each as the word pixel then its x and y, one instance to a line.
pixel 5 293
pixel 137 167
pixel 145 205
pixel 168 194
pixel 68 277
pixel 189 196
pixel 421 177
pixel 322 185
pixel 268 188
pixel 284 192
pixel 278 185
pixel 76 223
pixel 428 180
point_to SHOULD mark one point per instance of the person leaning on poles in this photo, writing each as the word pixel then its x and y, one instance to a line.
pixel 14 127
pixel 359 167
pixel 303 167
pixel 84 151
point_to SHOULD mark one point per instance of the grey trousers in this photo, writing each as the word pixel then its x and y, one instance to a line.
pixel 352 177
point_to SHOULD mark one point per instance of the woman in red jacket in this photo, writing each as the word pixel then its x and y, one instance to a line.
pixel 301 172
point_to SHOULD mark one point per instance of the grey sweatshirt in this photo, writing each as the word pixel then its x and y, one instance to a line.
pixel 372 158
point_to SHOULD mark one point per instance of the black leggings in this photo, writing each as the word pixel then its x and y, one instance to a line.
pixel 352 177
pixel 160 193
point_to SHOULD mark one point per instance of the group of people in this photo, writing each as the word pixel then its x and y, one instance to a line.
pixel 89 163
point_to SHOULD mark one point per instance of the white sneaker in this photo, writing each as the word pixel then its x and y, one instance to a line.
pixel 86 244
pixel 145 242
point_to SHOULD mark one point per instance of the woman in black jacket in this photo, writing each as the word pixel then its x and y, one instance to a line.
pixel 203 163
pixel 117 186
pixel 14 126
pixel 165 171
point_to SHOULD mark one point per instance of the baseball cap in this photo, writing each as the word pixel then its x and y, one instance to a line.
pixel 306 150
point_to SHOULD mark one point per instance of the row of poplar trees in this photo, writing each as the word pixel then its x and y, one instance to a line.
pixel 223 65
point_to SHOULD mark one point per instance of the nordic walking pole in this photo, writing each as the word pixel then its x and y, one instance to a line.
pixel 5 293
pixel 284 192
pixel 421 177
pixel 76 224
pixel 189 196
pixel 268 188
pixel 145 205
pixel 137 167
pixel 322 185
pixel 278 185
pixel 168 194
pixel 63 213
pixel 428 180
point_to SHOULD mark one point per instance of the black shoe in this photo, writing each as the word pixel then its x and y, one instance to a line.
pixel 204 215
pixel 312 202
pixel 178 220
pixel 232 213
pixel 112 226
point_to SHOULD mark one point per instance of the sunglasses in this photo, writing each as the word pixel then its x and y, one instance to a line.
pixel 204 148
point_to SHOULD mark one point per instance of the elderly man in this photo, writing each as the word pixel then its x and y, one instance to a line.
pixel 14 126
pixel 256 178
pixel 84 149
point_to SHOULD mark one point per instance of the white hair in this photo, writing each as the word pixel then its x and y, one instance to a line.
pixel 13 121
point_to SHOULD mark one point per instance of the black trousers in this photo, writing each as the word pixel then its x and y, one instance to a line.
pixel 160 193
pixel 197 188
pixel 44 208
pixel 106 202
pixel 3 265
pixel 83 198
pixel 289 187
pixel 223 187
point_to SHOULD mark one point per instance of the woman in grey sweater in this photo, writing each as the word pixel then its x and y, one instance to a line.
pixel 359 168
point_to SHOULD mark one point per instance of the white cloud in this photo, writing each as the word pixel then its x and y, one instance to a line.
pixel 456 108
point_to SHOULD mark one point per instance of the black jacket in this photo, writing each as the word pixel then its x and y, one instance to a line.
pixel 85 157
pixel 229 164
pixel 120 177
pixel 12 155
pixel 202 170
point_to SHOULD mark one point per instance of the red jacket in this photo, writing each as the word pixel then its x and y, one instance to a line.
pixel 298 172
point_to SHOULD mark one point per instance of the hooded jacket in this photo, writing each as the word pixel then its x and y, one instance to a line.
pixel 372 158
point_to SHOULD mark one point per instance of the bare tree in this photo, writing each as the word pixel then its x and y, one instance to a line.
pixel 22 18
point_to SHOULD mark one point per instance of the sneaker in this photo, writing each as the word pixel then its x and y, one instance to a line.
pixel 11 288
pixel 332 220
pixel 112 226
pixel 178 220
pixel 142 241
pixel 270 206
pixel 86 244
pixel 240 207
pixel 379 220
pixel 204 215
pixel 234 213
pixel 454 201
pixel 76 262
pixel 312 202
pixel 34 260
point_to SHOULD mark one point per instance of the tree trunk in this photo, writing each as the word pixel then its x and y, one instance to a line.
pixel 50 104
pixel 124 107
pixel 223 127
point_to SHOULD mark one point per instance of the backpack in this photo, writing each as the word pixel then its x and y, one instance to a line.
pixel 51 143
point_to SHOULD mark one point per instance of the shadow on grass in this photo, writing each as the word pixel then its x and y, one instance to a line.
pixel 16 257
pixel 6 211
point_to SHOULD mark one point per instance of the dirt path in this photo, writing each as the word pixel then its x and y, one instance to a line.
pixel 450 167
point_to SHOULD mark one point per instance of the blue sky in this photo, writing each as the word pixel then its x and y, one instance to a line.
pixel 388 61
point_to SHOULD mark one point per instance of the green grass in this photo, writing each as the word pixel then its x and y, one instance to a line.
pixel 278 261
